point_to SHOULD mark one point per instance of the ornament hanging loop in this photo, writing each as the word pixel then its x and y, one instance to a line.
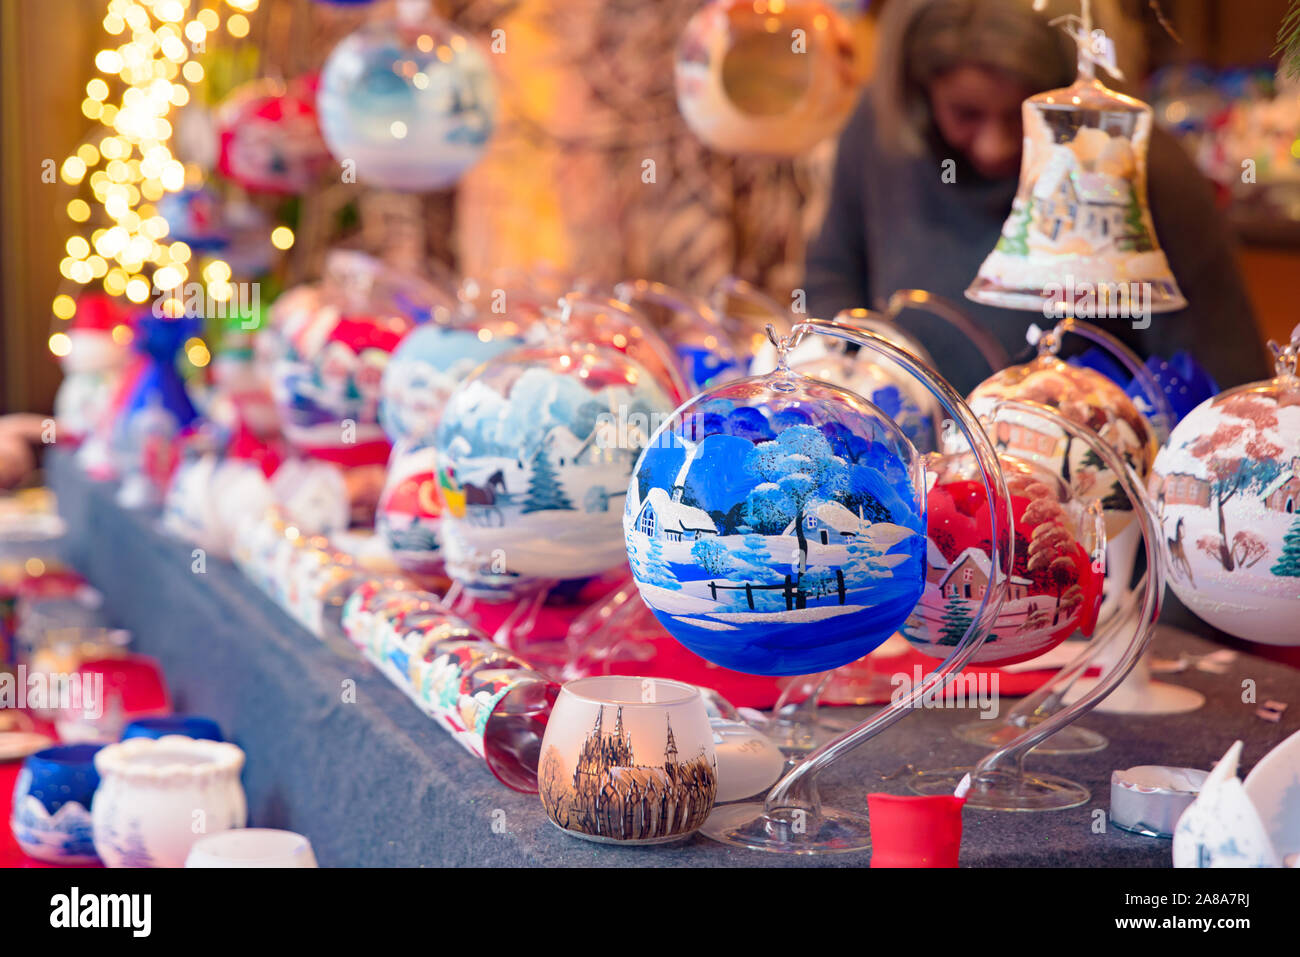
pixel 1286 359
pixel 784 345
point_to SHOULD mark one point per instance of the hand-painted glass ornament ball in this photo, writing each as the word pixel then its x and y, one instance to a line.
pixel 535 450
pixel 1085 397
pixel 270 141
pixel 421 376
pixel 1055 584
pixel 776 525
pixel 409 104
pixel 774 80
pixel 430 362
pixel 1227 493
pixel 327 385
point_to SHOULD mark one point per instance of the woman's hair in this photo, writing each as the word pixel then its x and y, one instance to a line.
pixel 919 40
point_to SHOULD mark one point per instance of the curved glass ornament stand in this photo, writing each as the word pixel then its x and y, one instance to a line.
pixel 1161 413
pixel 999 782
pixel 989 348
pixel 618 627
pixel 1139 694
pixel 696 327
pixel 1064 686
pixel 793 820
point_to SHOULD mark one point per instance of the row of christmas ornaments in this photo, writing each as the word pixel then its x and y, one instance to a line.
pixel 766 502
pixel 409 103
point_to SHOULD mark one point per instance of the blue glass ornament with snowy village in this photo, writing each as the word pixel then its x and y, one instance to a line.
pixel 534 452
pixel 776 525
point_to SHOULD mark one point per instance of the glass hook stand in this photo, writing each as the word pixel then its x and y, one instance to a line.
pixel 988 347
pixel 793 820
pixel 1139 694
pixel 1000 782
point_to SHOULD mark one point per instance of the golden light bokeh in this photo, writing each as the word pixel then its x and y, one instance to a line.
pixel 282 237
pixel 60 344
pixel 145 69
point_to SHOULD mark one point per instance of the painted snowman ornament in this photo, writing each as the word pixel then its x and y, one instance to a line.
pixel 1227 492
pixel 535 450
pixel 92 368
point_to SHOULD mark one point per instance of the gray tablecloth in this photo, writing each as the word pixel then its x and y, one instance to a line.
pixel 376 783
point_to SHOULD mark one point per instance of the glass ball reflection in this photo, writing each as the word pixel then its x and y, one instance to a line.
pixel 776 525
pixel 754 78
pixel 412 105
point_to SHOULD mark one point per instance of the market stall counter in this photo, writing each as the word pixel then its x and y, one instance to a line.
pixel 339 754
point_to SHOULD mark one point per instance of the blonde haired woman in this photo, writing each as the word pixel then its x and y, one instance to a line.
pixel 950 79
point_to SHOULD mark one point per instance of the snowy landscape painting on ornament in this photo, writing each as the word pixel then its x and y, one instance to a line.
pixel 427 366
pixel 1055 587
pixel 757 512
pixel 535 450
pixel 1227 489
pixel 1086 398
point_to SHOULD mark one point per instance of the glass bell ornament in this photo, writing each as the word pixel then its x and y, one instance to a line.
pixel 1056 582
pixel 773 80
pixel 771 504
pixel 410 101
pixel 1227 494
pixel 1079 226
pixel 535 449
pixel 270 140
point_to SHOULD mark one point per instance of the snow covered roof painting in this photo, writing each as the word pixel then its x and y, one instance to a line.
pixel 1096 189
pixel 836 516
pixel 980 558
pixel 1058 167
pixel 1278 483
pixel 677 517
pixel 1099 189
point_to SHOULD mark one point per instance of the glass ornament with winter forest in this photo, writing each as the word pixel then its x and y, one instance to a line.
pixel 771 504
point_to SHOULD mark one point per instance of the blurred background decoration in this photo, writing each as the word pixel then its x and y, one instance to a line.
pixel 196 136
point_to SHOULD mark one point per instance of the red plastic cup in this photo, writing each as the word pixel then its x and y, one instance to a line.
pixel 915 831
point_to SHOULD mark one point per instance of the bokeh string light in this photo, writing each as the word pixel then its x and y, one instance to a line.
pixel 127 165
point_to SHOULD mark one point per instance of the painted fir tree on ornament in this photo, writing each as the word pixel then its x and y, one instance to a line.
pixel 775 525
